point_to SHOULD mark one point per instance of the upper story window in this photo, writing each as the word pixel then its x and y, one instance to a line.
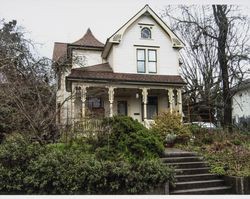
pixel 145 33
pixel 152 61
pixel 141 60
pixel 146 61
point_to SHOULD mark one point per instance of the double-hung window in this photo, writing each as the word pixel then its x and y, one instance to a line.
pixel 151 61
pixel 141 60
pixel 146 61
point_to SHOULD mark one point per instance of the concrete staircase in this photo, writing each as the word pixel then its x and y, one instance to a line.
pixel 192 174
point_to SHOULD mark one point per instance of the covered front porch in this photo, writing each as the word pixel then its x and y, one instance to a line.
pixel 142 103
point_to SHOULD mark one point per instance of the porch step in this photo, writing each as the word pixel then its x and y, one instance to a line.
pixel 181 159
pixel 195 177
pixel 198 184
pixel 207 191
pixel 188 164
pixel 179 154
pixel 193 170
pixel 192 174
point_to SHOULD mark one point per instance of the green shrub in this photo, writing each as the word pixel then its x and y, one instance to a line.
pixel 29 168
pixel 218 170
pixel 128 138
pixel 167 123
pixel 16 152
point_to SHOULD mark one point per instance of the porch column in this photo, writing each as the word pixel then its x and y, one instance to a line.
pixel 111 100
pixel 179 101
pixel 170 99
pixel 145 101
pixel 73 93
pixel 84 93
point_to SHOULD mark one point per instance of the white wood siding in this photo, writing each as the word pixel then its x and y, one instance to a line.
pixel 124 55
pixel 93 57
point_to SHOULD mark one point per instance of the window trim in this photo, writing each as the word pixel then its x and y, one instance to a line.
pixel 137 60
pixel 152 61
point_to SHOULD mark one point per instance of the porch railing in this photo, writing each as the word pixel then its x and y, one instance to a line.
pixel 89 127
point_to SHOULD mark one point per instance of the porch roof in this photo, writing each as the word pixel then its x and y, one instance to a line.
pixel 103 72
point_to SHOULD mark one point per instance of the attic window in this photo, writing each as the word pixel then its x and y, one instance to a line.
pixel 146 33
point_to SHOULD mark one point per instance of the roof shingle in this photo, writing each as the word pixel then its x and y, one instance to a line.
pixel 88 40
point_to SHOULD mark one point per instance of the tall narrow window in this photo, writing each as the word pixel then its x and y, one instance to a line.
pixel 152 59
pixel 146 33
pixel 141 60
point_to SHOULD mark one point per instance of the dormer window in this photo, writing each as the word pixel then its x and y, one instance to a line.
pixel 146 33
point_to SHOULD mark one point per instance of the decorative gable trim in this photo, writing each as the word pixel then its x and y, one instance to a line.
pixel 117 36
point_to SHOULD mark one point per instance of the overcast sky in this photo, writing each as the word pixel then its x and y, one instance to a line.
pixel 48 21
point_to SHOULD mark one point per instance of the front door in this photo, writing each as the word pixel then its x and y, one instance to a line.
pixel 152 107
pixel 122 108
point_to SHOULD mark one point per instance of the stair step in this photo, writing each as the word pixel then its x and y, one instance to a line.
pixel 188 164
pixel 209 190
pixel 198 184
pixel 193 170
pixel 179 154
pixel 194 177
pixel 181 159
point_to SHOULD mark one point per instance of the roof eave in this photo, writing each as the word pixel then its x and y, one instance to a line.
pixel 125 82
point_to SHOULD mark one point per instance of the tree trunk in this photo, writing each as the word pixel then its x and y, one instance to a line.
pixel 222 23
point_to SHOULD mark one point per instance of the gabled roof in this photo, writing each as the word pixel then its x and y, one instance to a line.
pixel 117 36
pixel 88 40
pixel 104 73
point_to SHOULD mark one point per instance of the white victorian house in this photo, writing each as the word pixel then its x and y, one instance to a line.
pixel 135 73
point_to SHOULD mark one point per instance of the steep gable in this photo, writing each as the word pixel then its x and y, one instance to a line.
pixel 117 37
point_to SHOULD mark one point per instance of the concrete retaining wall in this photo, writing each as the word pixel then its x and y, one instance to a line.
pixel 240 185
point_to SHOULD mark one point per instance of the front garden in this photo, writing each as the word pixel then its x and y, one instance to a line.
pixel 123 160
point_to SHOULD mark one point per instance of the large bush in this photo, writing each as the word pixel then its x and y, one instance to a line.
pixel 127 139
pixel 170 123
pixel 27 167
